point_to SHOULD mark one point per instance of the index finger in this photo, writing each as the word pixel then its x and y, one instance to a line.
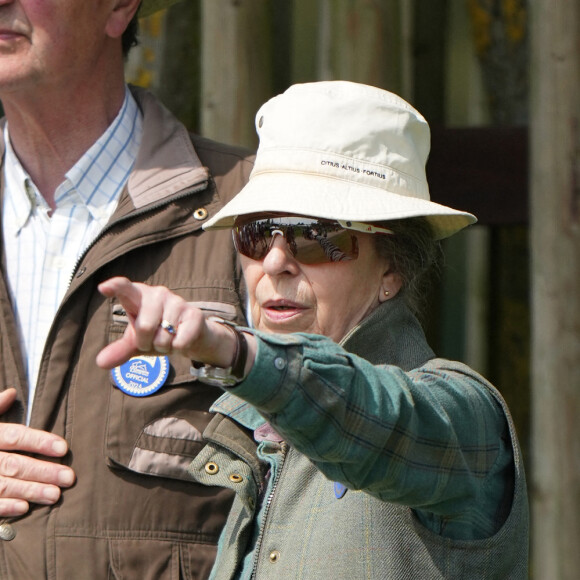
pixel 16 437
pixel 126 291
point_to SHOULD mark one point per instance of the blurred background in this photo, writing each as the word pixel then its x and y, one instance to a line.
pixel 499 83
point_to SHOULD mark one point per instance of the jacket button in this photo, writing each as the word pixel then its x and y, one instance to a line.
pixel 236 478
pixel 211 468
pixel 7 532
pixel 280 363
pixel 274 556
pixel 200 213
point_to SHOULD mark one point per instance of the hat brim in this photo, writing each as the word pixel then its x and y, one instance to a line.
pixel 323 197
pixel 149 7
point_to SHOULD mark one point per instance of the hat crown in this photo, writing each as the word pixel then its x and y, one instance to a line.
pixel 343 151
pixel 346 131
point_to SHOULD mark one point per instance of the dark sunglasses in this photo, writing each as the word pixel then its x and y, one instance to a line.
pixel 310 240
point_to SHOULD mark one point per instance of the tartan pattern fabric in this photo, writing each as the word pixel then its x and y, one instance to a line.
pixel 429 495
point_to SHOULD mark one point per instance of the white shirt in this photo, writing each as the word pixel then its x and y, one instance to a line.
pixel 42 250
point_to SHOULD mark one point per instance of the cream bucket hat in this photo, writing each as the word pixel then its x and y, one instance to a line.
pixel 344 151
pixel 148 7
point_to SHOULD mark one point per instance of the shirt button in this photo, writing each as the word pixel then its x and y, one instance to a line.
pixel 7 532
pixel 58 263
pixel 280 363
pixel 99 212
pixel 274 556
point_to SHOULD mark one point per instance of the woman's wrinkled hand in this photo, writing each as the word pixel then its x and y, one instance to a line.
pixel 160 322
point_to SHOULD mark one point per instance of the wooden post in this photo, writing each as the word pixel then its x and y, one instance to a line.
pixel 179 71
pixel 555 241
pixel 236 71
pixel 367 42
pixel 500 40
pixel 166 60
pixel 353 40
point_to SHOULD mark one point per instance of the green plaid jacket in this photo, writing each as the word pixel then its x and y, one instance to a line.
pixel 396 465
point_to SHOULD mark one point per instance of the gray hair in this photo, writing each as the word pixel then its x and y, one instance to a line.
pixel 414 255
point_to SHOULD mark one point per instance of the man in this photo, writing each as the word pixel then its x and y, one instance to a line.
pixel 97 180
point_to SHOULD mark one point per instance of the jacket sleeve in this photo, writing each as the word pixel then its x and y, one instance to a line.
pixel 434 438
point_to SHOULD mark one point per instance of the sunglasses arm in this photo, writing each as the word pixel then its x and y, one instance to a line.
pixel 362 227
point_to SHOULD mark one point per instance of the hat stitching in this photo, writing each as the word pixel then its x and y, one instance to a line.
pixel 275 151
pixel 399 177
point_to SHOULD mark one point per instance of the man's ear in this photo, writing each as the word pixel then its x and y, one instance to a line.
pixel 390 285
pixel 121 14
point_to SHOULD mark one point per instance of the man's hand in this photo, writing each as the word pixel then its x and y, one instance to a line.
pixel 24 479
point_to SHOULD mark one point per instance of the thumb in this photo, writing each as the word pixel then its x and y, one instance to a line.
pixel 7 399
pixel 119 351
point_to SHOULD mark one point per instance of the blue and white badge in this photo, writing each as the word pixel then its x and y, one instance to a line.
pixel 141 376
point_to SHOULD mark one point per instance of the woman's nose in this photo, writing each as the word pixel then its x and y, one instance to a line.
pixel 279 258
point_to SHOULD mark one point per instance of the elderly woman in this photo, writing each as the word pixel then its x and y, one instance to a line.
pixel 354 452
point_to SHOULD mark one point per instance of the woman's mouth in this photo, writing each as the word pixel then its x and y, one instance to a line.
pixel 281 310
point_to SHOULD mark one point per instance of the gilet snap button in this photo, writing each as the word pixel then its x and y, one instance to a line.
pixel 211 468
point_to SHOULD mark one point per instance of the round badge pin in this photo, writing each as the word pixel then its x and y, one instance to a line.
pixel 141 376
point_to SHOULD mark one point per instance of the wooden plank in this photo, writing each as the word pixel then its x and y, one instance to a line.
pixel 235 69
pixel 367 42
pixel 555 242
pixel 179 74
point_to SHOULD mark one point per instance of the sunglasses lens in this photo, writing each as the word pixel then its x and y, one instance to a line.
pixel 322 243
pixel 310 241
pixel 252 240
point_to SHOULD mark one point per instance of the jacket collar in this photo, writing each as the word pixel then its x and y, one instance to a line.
pixel 167 162
pixel 392 335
